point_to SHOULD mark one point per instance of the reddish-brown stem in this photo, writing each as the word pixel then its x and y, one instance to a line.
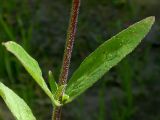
pixel 57 113
pixel 67 53
pixel 69 42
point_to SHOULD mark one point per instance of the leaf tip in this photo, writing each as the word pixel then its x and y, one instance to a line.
pixel 151 19
pixel 6 43
pixel 50 72
pixel 3 43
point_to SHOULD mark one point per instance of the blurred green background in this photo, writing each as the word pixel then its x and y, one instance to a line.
pixel 130 91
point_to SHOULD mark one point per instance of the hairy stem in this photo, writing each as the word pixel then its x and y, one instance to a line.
pixel 57 113
pixel 67 53
pixel 69 42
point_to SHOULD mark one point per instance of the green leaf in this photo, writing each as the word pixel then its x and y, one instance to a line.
pixel 65 98
pixel 30 65
pixel 52 82
pixel 17 106
pixel 59 91
pixel 106 56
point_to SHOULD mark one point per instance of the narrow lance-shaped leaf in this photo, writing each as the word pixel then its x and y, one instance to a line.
pixel 106 56
pixel 52 82
pixel 17 106
pixel 30 65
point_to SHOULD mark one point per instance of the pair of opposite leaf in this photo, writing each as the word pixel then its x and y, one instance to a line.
pixel 91 69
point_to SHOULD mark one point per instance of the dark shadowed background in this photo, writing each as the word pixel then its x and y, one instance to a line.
pixel 130 91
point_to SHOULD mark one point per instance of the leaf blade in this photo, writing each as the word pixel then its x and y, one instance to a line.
pixel 52 82
pixel 31 65
pixel 106 56
pixel 17 105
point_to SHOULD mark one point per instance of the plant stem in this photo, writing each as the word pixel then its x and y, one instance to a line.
pixel 69 42
pixel 67 53
pixel 57 113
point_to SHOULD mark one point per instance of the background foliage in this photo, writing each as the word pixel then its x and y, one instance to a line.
pixel 129 91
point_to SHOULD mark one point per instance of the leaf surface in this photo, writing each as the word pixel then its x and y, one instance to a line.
pixel 52 82
pixel 17 105
pixel 30 64
pixel 107 56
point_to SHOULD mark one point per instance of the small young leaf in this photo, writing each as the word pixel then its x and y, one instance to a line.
pixel 30 65
pixel 52 82
pixel 17 106
pixel 59 91
pixel 65 98
pixel 106 56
